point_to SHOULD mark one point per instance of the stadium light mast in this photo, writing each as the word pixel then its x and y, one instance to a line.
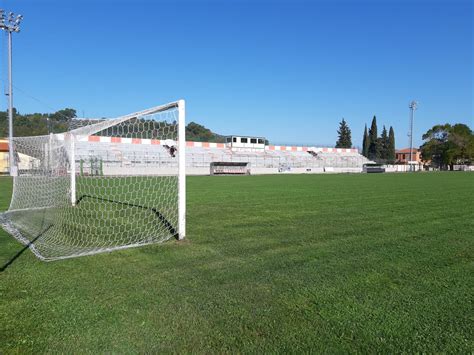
pixel 413 106
pixel 10 24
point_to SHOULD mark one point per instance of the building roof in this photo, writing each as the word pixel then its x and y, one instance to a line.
pixel 406 150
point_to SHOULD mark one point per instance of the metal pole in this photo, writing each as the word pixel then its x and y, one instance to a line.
pixel 412 116
pixel 413 105
pixel 10 107
pixel 72 160
pixel 10 23
pixel 181 169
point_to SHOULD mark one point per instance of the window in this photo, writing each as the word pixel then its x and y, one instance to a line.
pixel 261 141
pixel 234 140
pixel 243 140
pixel 253 140
pixel 228 139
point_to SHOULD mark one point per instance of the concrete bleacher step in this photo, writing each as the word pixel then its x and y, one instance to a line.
pixel 119 155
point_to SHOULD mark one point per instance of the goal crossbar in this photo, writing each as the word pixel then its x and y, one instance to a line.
pixel 107 123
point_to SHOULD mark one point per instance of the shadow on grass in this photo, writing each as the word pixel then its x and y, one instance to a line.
pixel 27 246
pixel 157 213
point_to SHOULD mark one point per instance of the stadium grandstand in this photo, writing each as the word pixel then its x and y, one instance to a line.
pixel 116 156
pixel 99 155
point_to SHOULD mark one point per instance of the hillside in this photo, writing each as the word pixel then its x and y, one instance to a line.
pixel 35 124
pixel 198 133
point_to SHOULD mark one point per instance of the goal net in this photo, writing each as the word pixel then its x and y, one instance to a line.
pixel 105 184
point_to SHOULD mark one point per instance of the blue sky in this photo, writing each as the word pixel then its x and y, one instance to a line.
pixel 287 70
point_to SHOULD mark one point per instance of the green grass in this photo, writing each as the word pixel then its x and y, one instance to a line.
pixel 333 263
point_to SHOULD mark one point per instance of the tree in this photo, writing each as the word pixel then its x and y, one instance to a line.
pixel 64 115
pixel 391 146
pixel 365 143
pixel 35 124
pixel 344 132
pixel 446 145
pixel 199 133
pixel 461 147
pixel 383 145
pixel 374 149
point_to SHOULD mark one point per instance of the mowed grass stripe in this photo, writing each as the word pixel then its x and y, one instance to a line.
pixel 273 263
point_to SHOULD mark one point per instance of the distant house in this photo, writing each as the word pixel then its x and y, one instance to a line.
pixel 3 156
pixel 402 156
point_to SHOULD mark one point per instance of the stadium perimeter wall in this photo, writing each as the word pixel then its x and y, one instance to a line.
pixel 138 171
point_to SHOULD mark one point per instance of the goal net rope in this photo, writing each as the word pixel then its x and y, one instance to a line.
pixel 105 184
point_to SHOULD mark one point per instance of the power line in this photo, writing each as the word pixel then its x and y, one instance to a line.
pixel 38 100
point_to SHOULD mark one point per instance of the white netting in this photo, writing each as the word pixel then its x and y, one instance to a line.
pixel 104 185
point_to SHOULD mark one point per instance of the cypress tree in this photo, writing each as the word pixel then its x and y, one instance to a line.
pixel 344 132
pixel 365 143
pixel 384 145
pixel 391 146
pixel 374 150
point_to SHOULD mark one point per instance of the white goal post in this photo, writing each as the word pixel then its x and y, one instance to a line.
pixel 102 185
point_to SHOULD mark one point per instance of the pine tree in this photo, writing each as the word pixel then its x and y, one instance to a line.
pixel 391 146
pixel 384 145
pixel 374 150
pixel 365 143
pixel 344 132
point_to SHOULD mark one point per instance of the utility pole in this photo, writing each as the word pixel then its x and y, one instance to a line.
pixel 413 106
pixel 10 24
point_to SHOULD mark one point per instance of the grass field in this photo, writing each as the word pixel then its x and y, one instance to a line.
pixel 293 263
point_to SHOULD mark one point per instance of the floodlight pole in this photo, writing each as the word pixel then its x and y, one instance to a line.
pixel 413 106
pixel 10 108
pixel 10 24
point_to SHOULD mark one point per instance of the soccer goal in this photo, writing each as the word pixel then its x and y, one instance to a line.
pixel 105 184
